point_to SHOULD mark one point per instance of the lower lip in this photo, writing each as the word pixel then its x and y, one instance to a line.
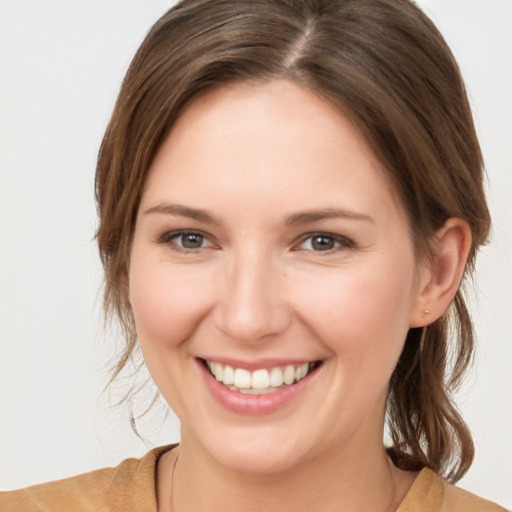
pixel 254 405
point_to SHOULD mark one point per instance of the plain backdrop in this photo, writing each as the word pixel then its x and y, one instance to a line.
pixel 61 64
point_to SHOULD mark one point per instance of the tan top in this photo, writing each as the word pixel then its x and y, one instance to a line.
pixel 130 487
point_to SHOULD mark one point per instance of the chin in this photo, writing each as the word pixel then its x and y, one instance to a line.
pixel 256 461
pixel 255 451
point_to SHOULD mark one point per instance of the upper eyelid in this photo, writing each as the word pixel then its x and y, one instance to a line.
pixel 167 236
pixel 171 233
pixel 343 244
pixel 337 237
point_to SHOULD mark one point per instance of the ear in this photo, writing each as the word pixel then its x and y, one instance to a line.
pixel 440 278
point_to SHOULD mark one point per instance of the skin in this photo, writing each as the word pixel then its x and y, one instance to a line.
pixel 252 157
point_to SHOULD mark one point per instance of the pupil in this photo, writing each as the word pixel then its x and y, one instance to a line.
pixel 322 243
pixel 192 241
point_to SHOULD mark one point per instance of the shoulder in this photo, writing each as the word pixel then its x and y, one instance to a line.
pixel 129 486
pixel 433 493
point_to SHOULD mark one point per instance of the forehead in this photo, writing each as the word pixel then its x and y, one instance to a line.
pixel 276 140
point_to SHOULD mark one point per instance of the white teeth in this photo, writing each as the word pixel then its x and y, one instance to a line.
pixel 253 391
pixel 242 378
pixel 260 381
pixel 218 371
pixel 289 374
pixel 229 376
pixel 276 377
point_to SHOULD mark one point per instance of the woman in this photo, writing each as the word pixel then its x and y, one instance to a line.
pixel 290 194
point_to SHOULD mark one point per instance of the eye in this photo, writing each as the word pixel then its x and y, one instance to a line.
pixel 186 240
pixel 324 242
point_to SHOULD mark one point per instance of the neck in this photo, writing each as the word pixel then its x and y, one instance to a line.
pixel 340 480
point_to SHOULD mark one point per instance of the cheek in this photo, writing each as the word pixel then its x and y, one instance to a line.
pixel 167 308
pixel 167 302
pixel 363 317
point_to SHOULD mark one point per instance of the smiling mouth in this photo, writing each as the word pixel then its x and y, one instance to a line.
pixel 262 381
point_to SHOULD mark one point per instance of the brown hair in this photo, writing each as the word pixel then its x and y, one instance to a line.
pixel 385 64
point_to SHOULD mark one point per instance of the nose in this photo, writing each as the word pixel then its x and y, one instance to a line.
pixel 251 307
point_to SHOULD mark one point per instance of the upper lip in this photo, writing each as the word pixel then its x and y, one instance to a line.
pixel 258 363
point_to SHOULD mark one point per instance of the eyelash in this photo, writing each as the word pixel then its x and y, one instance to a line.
pixel 340 242
pixel 169 238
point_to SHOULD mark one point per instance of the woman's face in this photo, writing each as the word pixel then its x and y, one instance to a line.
pixel 269 246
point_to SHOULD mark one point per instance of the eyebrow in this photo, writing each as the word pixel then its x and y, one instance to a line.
pixel 184 211
pixel 293 220
pixel 326 213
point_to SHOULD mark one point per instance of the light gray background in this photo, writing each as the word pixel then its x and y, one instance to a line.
pixel 61 64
